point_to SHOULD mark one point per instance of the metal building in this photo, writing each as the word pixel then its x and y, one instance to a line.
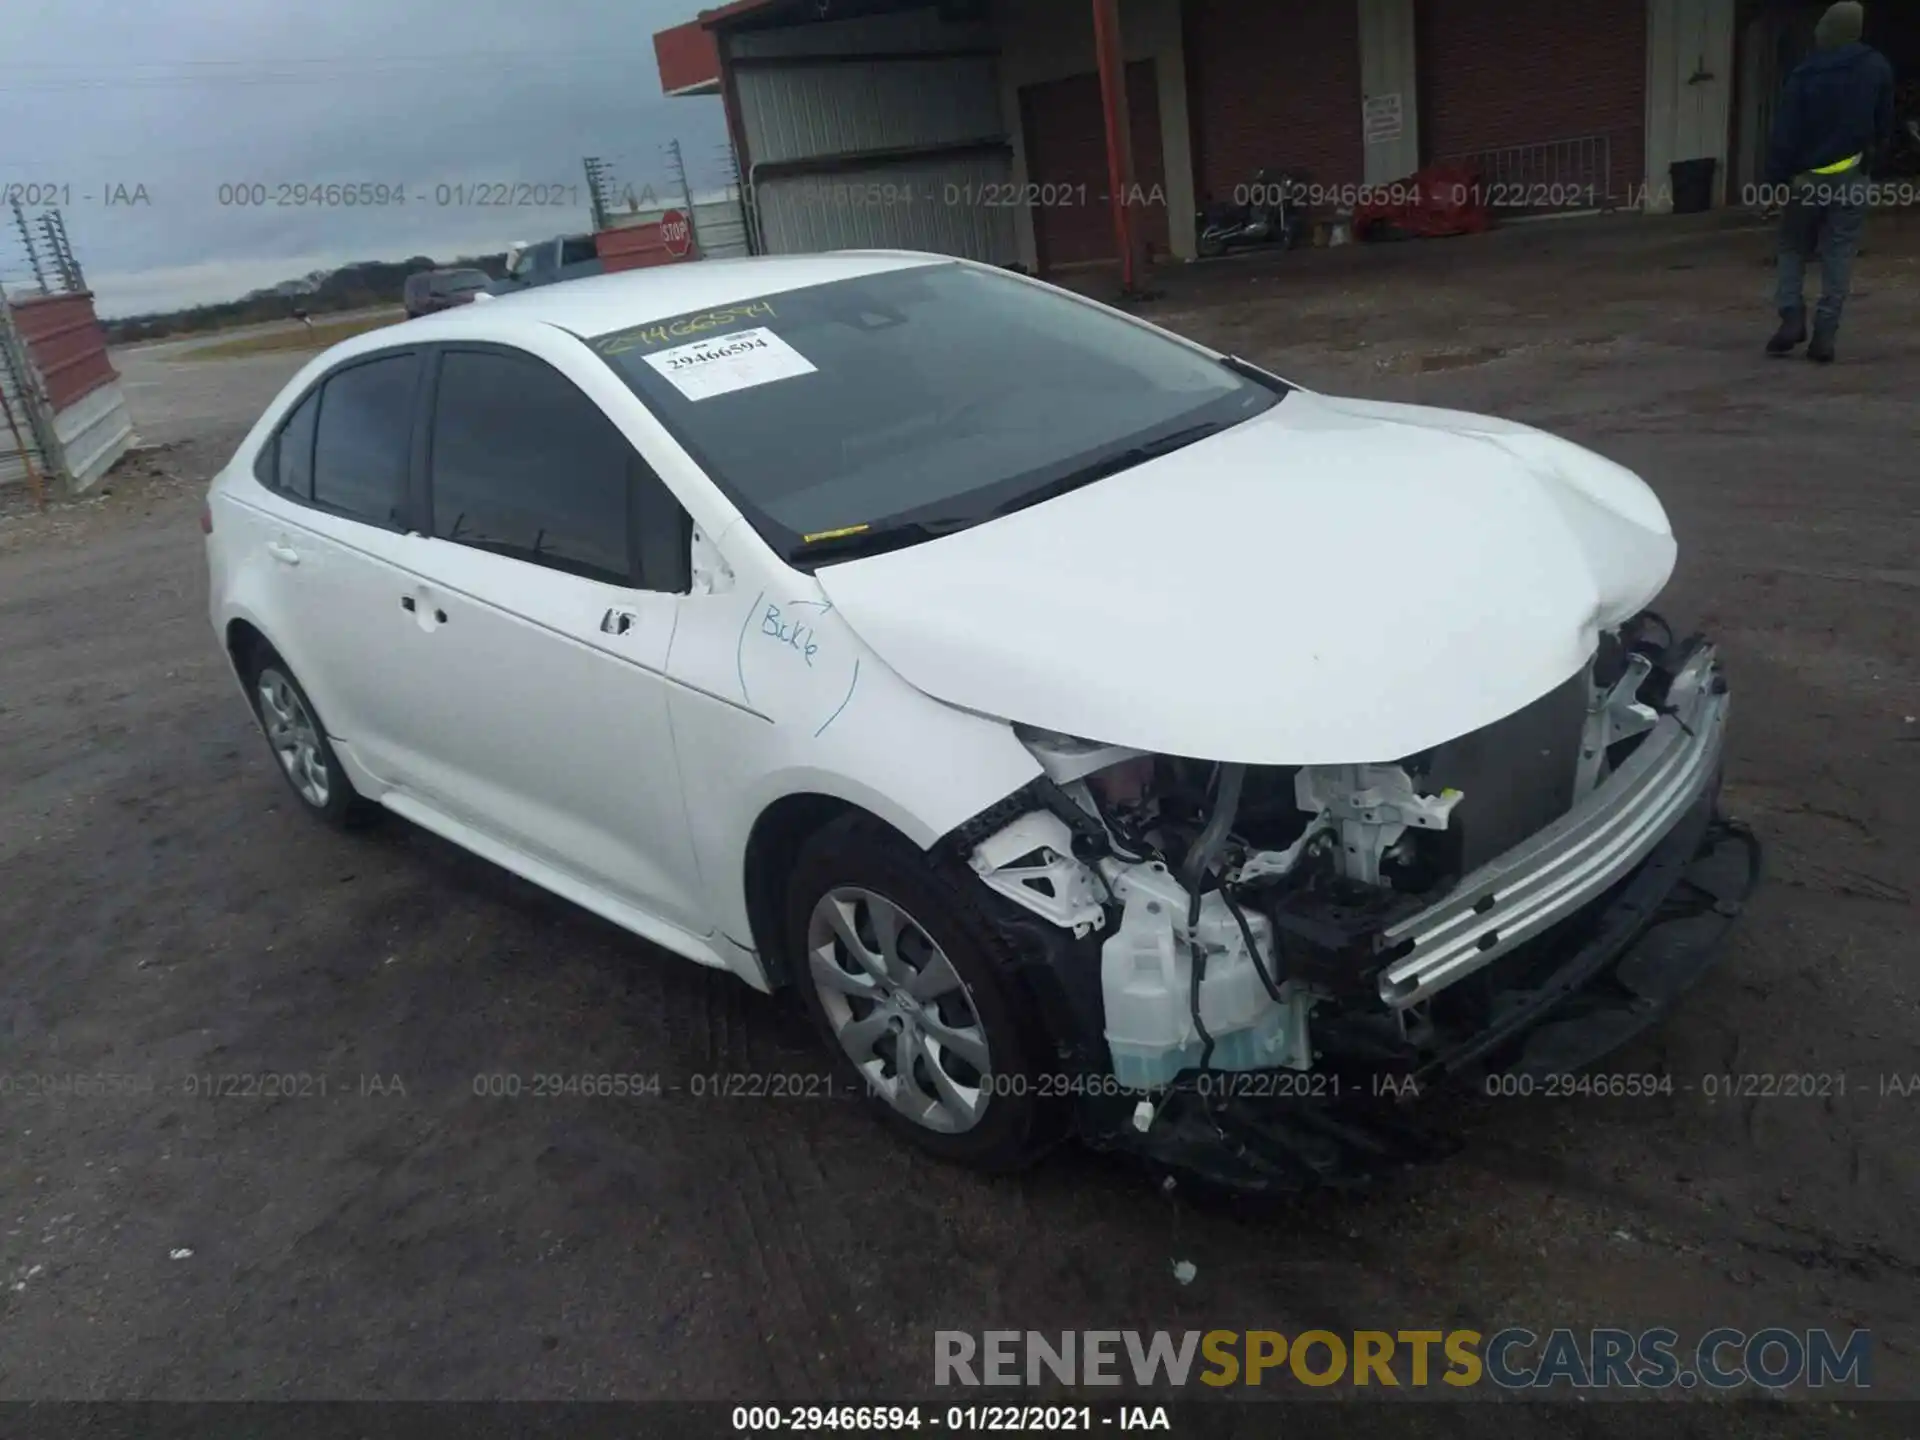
pixel 1007 130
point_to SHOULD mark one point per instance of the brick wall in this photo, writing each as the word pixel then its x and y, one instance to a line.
pixel 1066 139
pixel 1495 73
pixel 1274 84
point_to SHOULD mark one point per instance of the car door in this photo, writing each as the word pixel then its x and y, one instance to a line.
pixel 328 521
pixel 540 605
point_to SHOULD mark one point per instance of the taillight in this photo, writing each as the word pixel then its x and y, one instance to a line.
pixel 206 517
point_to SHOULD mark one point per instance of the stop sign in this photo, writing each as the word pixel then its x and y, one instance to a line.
pixel 676 234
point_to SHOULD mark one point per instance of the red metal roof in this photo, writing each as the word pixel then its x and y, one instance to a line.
pixel 689 59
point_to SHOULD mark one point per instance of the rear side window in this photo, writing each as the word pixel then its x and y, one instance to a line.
pixel 293 452
pixel 364 438
pixel 525 465
pixel 578 250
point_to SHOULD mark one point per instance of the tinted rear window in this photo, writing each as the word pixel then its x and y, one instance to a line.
pixel 364 439
pixel 293 456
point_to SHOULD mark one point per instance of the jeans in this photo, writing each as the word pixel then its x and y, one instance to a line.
pixel 1826 214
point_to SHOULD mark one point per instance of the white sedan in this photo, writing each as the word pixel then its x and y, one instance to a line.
pixel 1101 734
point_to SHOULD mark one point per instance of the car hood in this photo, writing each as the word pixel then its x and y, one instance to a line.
pixel 1337 581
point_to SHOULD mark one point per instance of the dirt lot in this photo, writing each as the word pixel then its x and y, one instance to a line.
pixel 165 913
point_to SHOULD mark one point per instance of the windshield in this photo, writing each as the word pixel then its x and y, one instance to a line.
pixel 926 398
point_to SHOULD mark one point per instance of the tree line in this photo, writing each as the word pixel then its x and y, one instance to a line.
pixel 359 286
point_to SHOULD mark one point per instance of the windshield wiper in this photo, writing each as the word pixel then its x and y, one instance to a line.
pixel 1112 465
pixel 876 540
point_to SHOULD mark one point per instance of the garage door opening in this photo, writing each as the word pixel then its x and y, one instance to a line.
pixel 1069 191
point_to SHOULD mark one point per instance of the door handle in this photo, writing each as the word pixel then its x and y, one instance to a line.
pixel 283 552
pixel 617 622
pixel 408 604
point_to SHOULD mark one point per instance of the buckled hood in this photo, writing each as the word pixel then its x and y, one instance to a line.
pixel 1336 581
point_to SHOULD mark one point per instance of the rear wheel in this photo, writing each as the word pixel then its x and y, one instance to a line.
pixel 300 746
pixel 899 967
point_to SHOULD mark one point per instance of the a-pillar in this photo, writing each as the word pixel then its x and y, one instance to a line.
pixel 1120 178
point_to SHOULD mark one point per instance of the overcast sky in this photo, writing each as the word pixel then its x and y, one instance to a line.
pixel 183 96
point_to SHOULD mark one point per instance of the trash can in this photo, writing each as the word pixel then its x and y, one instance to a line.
pixel 1693 185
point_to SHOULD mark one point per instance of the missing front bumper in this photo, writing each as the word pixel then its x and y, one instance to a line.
pixel 1619 970
pixel 1563 868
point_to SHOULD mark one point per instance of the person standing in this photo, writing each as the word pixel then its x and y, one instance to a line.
pixel 1834 114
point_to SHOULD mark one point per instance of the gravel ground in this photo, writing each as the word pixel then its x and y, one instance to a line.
pixel 175 396
pixel 166 913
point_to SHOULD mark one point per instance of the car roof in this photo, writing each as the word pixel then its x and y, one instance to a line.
pixel 599 304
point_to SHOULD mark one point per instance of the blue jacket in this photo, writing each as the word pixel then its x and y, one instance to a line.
pixel 1836 103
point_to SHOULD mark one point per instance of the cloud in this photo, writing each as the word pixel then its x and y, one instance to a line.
pixel 203 105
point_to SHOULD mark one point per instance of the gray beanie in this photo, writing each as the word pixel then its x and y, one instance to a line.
pixel 1841 25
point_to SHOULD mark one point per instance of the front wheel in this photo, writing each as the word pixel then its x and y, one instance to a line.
pixel 902 971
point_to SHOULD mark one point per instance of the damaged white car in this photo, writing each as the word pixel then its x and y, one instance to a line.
pixel 1100 734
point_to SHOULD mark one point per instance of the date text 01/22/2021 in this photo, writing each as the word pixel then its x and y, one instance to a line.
pixel 374 195
pixel 1801 1085
pixel 961 1419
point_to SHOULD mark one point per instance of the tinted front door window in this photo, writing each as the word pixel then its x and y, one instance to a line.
pixel 525 465
pixel 364 438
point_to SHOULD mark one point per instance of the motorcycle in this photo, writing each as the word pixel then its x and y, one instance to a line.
pixel 1270 211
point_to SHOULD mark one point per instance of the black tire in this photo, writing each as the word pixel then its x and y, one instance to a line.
pixel 1016 1124
pixel 343 808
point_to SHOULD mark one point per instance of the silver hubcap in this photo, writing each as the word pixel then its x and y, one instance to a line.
pixel 900 1009
pixel 294 737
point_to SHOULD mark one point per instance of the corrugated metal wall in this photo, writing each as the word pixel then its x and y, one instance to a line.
pixel 94 432
pixel 64 389
pixel 719 222
pixel 802 114
pixel 722 228
pixel 864 209
pixel 875 132
pixel 68 346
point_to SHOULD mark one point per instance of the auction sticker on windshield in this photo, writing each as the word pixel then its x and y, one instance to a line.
pixel 722 364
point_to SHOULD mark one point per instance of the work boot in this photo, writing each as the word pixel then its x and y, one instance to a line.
pixel 1793 329
pixel 1820 348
